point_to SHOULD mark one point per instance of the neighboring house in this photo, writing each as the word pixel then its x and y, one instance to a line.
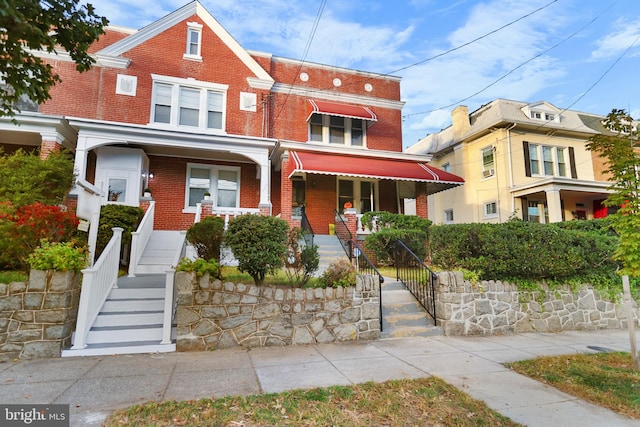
pixel 518 160
pixel 180 107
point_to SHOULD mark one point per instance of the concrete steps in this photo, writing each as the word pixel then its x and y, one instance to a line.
pixel 330 250
pixel 402 314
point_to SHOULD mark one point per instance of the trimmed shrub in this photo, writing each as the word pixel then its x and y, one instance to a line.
pixel 411 229
pixel 207 236
pixel 126 217
pixel 200 266
pixel 340 273
pixel 522 250
pixel 63 256
pixel 259 243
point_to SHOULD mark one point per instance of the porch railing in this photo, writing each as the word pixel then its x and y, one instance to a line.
pixel 226 213
pixel 362 228
pixel 97 282
pixel 170 294
pixel 416 276
pixel 140 238
pixel 307 230
pixel 344 235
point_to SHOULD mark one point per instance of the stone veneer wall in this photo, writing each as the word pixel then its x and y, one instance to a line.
pixel 213 315
pixel 494 307
pixel 37 317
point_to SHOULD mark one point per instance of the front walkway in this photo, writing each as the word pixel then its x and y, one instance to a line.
pixel 96 385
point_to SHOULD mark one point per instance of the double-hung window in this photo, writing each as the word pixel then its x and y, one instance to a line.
pixel 488 162
pixel 548 160
pixel 223 183
pixel 186 103
pixel 337 130
pixel 490 210
pixel 194 41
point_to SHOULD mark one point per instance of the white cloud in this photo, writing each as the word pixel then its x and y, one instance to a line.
pixel 619 40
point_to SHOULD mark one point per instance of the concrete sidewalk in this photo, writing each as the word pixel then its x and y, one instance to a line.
pixel 94 386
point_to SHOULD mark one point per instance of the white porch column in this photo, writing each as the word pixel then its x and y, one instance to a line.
pixel 554 205
pixel 80 162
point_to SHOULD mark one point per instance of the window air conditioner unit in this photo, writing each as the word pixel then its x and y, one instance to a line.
pixel 488 172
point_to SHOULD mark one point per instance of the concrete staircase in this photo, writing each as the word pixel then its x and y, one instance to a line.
pixel 329 250
pixel 402 314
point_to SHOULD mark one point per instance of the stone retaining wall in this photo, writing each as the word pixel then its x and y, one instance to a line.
pixel 494 307
pixel 213 315
pixel 37 317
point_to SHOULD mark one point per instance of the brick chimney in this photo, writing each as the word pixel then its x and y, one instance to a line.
pixel 460 118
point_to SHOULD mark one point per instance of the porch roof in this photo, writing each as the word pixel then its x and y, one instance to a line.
pixel 342 110
pixel 373 168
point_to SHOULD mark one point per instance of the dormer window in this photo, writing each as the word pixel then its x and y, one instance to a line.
pixel 194 41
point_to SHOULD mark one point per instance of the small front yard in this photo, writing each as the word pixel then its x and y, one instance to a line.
pixel 421 402
pixel 606 379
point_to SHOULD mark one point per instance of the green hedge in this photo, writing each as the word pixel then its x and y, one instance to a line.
pixel 412 230
pixel 525 250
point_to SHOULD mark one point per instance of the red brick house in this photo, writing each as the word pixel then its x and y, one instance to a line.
pixel 180 107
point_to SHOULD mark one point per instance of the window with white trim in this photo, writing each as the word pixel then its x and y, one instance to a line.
pixel 359 194
pixel 488 163
pixel 221 182
pixel 337 130
pixel 490 209
pixel 446 167
pixel 194 41
pixel 188 103
pixel 547 160
pixel 448 216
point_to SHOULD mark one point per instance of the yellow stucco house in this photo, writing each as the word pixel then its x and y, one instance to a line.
pixel 518 159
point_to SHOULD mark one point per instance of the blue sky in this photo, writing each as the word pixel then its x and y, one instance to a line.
pixel 577 54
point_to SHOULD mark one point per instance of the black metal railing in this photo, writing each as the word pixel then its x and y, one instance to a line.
pixel 307 230
pixel 416 276
pixel 364 266
pixel 344 235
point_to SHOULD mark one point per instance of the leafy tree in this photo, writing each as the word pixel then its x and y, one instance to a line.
pixel 619 147
pixel 28 25
pixel 126 217
pixel 25 178
pixel 301 262
pixel 259 243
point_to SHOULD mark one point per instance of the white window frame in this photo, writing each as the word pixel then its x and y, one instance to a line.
pixel 490 209
pixel 204 89
pixel 193 28
pixel 488 172
pixel 447 216
pixel 214 173
pixel 446 167
pixel 348 126
pixel 555 160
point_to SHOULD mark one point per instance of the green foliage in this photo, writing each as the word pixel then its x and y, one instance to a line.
pixel 412 230
pixel 301 262
pixel 340 273
pixel 522 250
pixel 618 146
pixel 25 178
pixel 259 243
pixel 13 276
pixel 22 228
pixel 200 266
pixel 126 217
pixel 63 256
pixel 27 26
pixel 207 236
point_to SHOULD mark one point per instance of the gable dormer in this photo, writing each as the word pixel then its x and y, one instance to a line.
pixel 542 111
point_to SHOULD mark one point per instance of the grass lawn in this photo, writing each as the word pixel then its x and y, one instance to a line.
pixel 606 379
pixel 421 402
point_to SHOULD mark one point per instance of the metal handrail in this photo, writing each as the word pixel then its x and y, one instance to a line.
pixel 307 230
pixel 365 266
pixel 344 235
pixel 416 276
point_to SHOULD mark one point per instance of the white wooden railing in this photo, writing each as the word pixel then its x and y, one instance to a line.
pixel 140 238
pixel 97 282
pixel 226 213
pixel 170 296
pixel 362 228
